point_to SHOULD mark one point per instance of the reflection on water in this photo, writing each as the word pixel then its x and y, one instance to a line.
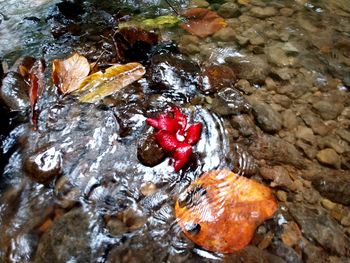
pixel 271 91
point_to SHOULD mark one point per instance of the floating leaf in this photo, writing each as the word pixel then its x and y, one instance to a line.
pixel 174 136
pixel 221 210
pixel 101 84
pixel 69 73
pixel 161 22
pixel 203 22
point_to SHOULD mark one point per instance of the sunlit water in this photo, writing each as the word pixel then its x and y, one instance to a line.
pixel 105 206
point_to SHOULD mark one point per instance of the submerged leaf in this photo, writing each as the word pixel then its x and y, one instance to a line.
pixel 101 84
pixel 69 73
pixel 37 84
pixel 221 210
pixel 203 22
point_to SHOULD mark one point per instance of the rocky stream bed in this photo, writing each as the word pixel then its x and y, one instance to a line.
pixel 89 184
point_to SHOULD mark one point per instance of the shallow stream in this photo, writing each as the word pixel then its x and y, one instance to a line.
pixel 87 183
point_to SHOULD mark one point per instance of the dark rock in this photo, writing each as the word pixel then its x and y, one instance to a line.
pixel 266 117
pixel 43 165
pixel 244 123
pixel 71 10
pixel 2 73
pixel 149 152
pixel 69 237
pixel 217 77
pixel 173 72
pixel 253 254
pixel 15 92
pixel 285 252
pixel 332 184
pixel 275 150
pixel 317 225
pixel 229 101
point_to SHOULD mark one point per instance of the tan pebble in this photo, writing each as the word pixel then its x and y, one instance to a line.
pixel 148 188
pixel 281 195
pixel 328 204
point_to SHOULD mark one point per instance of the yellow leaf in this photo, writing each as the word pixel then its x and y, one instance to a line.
pixel 69 73
pixel 101 84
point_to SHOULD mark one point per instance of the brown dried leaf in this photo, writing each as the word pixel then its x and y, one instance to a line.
pixel 99 85
pixel 203 22
pixel 68 74
pixel 221 210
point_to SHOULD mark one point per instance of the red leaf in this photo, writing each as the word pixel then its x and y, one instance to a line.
pixel 36 88
pixel 194 133
pixel 203 22
pixel 181 155
pixel 166 140
pixel 163 123
pixel 181 119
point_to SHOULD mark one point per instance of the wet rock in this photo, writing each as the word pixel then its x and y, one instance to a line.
pixel 277 56
pixel 173 72
pixel 189 44
pixel 217 77
pixel 286 11
pixel 275 150
pixel 316 124
pixel 148 188
pixel 242 161
pixel 244 124
pixel 291 234
pixel 228 10
pixel 149 152
pixel 263 12
pixel 309 150
pixel 317 225
pixel 250 67
pixel 328 157
pixel 67 238
pixel 282 196
pixel 266 117
pixel 126 221
pixel 334 142
pixel 305 134
pixel 344 134
pixel 328 204
pixel 285 252
pixel 328 110
pixel 290 120
pixel 282 100
pixel 278 175
pixel 229 101
pixel 43 165
pixel 244 86
pixel 14 92
pixel 253 254
pixel 226 34
pixel 332 184
pixel 1 72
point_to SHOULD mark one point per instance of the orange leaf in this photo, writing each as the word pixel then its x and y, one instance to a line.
pixel 69 73
pixel 203 22
pixel 221 210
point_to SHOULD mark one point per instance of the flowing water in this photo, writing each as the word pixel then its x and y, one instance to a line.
pixel 87 183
